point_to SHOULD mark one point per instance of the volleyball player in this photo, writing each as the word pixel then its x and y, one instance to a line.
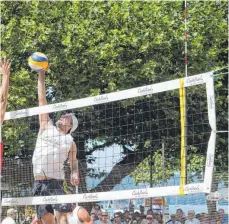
pixel 53 147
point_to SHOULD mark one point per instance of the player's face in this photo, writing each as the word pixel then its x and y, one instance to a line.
pixel 65 122
pixel 66 119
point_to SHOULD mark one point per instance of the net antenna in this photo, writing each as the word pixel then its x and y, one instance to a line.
pixel 183 107
pixel 122 98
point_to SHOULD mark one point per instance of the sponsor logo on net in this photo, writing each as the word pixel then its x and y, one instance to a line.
pixel 91 197
pixel 10 201
pixel 19 113
pixel 101 99
pixel 50 199
pixel 140 193
pixel 192 188
pixel 211 102
pixel 194 80
pixel 60 106
pixel 145 90
pixel 210 160
pixel 214 196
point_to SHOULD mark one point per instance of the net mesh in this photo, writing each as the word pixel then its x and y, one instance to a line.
pixel 127 144
pixel 115 140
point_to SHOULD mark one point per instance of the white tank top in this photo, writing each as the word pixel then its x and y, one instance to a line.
pixel 73 218
pixel 51 151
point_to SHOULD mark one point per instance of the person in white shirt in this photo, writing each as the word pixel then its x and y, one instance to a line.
pixel 79 216
pixel 53 147
pixel 173 220
pixel 191 219
pixel 11 216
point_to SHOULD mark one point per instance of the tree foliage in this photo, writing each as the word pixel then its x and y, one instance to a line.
pixel 101 47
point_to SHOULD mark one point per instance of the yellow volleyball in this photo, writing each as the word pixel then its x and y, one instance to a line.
pixel 38 61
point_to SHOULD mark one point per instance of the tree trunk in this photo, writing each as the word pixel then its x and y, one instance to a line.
pixel 120 170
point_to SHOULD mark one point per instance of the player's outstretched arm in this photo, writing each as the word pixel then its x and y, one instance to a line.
pixel 43 118
pixel 74 179
pixel 5 65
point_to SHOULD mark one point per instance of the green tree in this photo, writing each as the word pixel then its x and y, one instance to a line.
pixel 101 47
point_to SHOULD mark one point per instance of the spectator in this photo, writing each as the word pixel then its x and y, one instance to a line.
pixel 215 218
pixel 123 219
pixel 180 216
pixel 138 218
pixel 99 218
pixel 223 216
pixel 149 212
pixel 198 216
pixel 11 216
pixel 131 208
pixel 105 219
pixel 126 214
pixel 204 218
pixel 151 220
pixel 93 217
pixel 142 212
pixel 158 217
pixel 191 219
pixel 117 218
pixel 27 220
pixel 95 210
pixel 173 220
pixel 131 215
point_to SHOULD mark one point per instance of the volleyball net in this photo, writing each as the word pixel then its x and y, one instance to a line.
pixel 152 141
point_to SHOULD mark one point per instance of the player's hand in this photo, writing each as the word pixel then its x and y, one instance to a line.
pixel 5 65
pixel 44 71
pixel 75 180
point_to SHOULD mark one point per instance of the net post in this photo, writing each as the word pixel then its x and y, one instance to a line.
pixel 212 141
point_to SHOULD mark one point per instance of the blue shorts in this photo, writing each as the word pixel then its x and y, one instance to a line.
pixel 49 188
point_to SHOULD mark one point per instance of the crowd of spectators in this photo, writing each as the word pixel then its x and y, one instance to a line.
pixel 201 218
pixel 155 217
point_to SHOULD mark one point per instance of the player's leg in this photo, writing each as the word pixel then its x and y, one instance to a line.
pixel 48 218
pixel 45 213
pixel 61 210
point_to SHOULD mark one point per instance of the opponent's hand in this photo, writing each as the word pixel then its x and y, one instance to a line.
pixel 75 180
pixel 5 65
